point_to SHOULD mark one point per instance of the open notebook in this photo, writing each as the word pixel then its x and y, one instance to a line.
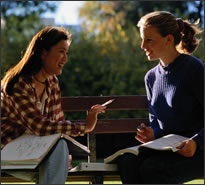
pixel 168 142
pixel 27 151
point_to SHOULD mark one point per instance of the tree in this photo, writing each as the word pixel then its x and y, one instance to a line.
pixel 197 12
pixel 113 25
pixel 21 23
pixel 120 62
pixel 99 12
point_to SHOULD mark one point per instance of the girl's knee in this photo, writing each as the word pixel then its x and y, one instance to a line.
pixel 126 161
pixel 62 146
pixel 62 143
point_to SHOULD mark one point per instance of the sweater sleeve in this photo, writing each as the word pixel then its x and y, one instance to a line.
pixel 198 92
pixel 152 118
pixel 199 139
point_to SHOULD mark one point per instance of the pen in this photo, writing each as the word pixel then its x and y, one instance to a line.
pixel 140 127
pixel 108 102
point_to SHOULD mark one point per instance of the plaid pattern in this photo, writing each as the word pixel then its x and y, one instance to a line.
pixel 19 112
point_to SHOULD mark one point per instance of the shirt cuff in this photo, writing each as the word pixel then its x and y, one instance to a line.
pixel 78 129
pixel 157 132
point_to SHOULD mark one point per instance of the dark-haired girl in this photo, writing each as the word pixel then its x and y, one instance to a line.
pixel 31 104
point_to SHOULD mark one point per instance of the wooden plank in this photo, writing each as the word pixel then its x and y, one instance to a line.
pixel 126 125
pixel 83 103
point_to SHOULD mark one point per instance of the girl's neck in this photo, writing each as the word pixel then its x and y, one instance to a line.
pixel 169 58
pixel 41 77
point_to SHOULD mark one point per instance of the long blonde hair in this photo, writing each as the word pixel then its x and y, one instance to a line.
pixel 31 62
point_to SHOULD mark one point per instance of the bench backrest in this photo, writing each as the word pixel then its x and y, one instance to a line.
pixel 111 125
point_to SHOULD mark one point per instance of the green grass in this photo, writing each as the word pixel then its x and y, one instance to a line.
pixel 76 162
pixel 200 181
pixel 106 182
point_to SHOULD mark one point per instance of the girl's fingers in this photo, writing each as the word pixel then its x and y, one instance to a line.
pixel 97 109
pixel 98 106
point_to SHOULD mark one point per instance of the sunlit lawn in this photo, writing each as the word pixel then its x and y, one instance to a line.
pixel 76 162
pixel 201 181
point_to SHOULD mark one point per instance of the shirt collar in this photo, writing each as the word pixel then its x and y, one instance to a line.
pixel 172 65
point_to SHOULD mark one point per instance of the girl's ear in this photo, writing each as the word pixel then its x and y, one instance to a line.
pixel 43 54
pixel 170 38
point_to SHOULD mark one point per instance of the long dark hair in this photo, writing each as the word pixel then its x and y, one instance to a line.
pixel 31 62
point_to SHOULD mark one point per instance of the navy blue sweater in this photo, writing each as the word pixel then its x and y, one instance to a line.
pixel 176 98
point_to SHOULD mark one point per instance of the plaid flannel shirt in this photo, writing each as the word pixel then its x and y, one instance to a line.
pixel 19 112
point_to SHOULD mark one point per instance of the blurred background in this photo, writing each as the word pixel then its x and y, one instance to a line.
pixel 104 58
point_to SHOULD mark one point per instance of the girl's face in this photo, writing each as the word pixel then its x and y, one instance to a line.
pixel 55 58
pixel 153 43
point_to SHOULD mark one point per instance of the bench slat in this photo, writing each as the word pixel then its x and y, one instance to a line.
pixel 126 125
pixel 118 125
pixel 83 103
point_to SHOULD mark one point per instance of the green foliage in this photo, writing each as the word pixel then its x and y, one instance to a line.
pixel 22 20
pixel 199 53
pixel 105 58
pixel 114 66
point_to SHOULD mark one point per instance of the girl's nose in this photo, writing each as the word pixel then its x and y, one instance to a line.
pixel 65 57
pixel 142 45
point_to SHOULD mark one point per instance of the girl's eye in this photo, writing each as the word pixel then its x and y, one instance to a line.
pixel 63 52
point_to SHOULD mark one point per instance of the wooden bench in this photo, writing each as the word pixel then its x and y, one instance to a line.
pixel 92 171
pixel 88 171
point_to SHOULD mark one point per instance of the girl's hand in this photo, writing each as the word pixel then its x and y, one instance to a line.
pixel 187 148
pixel 69 162
pixel 144 133
pixel 91 119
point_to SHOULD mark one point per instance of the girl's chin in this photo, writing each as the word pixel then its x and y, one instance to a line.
pixel 58 72
pixel 151 58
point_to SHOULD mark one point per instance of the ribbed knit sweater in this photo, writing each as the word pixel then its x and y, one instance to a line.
pixel 176 98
